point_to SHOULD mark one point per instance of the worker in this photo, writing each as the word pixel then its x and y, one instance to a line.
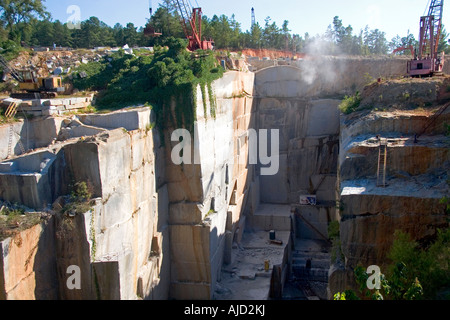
pixel 308 265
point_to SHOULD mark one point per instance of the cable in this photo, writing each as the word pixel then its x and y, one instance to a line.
pixel 427 8
pixel 189 5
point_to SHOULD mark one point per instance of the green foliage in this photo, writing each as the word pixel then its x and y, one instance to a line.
pixel 346 295
pixel 333 230
pixel 14 219
pixel 334 235
pixel 368 79
pixel 443 41
pixel 446 201
pixel 10 49
pixel 96 77
pixel 417 271
pixel 80 198
pixel 428 263
pixel 81 192
pixel 17 14
pixel 79 202
pixel 22 23
pixel 13 214
pixel 403 42
pixel 175 75
pixel 401 287
pixel 123 80
pixel 350 103
pixel 169 77
pixel 395 287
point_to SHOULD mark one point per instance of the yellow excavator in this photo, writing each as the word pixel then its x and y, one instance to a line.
pixel 31 86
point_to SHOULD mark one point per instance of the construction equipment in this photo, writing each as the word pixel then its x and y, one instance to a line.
pixel 432 121
pixel 428 61
pixel 30 85
pixel 191 22
pixel 410 48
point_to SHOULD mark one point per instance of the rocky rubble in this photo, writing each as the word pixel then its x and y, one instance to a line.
pixel 60 62
pixel 55 62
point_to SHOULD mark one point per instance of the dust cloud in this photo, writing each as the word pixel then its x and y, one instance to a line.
pixel 319 66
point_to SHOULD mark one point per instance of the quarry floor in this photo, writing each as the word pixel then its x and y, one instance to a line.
pixel 300 289
pixel 246 278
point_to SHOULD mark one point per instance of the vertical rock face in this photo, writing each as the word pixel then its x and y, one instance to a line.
pixel 158 230
pixel 121 245
pixel 416 180
pixel 207 196
pixel 308 147
pixel 27 265
pixel 29 135
pixel 129 210
pixel 367 235
pixel 322 76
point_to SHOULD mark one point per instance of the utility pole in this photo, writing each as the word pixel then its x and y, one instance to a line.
pixel 253 17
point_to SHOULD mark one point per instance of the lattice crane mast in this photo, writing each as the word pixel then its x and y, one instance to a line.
pixel 191 22
pixel 428 61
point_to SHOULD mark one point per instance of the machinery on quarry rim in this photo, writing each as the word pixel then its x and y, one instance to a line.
pixel 150 31
pixel 428 62
pixel 192 26
pixel 191 22
pixel 31 86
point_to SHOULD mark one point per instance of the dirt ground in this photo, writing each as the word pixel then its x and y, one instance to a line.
pixel 272 54
pixel 406 94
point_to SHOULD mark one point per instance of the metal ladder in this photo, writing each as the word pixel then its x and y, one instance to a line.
pixel 382 163
pixel 10 113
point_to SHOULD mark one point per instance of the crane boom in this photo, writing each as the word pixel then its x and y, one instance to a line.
pixel 436 11
pixel 410 48
pixel 8 69
pixel 431 26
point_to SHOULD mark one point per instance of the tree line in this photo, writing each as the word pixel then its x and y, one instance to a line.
pixel 31 25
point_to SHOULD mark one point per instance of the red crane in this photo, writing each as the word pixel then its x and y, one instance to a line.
pixel 429 62
pixel 191 21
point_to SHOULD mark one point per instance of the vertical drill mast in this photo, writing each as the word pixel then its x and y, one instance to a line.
pixel 428 61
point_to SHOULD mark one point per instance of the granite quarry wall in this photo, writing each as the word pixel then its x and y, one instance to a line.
pixel 157 230
pixel 119 243
pixel 141 201
pixel 206 198
pixel 309 143
pixel 416 181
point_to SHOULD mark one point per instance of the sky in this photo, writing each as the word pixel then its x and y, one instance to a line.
pixel 394 17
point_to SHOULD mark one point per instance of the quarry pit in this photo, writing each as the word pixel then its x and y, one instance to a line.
pixel 219 228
